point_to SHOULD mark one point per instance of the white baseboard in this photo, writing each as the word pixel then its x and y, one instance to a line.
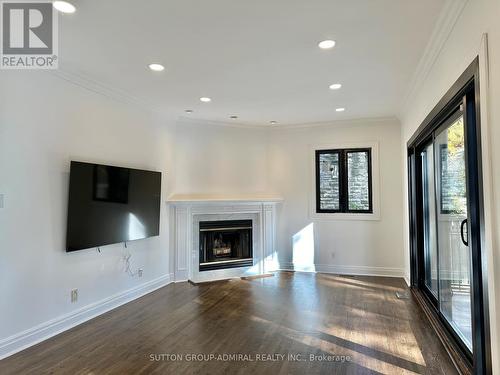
pixel 41 332
pixel 407 279
pixel 346 270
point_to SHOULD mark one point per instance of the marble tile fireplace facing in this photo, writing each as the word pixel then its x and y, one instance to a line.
pixel 186 213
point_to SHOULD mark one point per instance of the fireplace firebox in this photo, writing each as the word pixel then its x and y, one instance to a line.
pixel 225 244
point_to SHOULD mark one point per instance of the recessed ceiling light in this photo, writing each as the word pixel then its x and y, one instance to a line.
pixel 205 99
pixel 326 44
pixel 156 67
pixel 64 7
pixel 233 117
pixel 273 122
pixel 335 86
pixel 340 109
pixel 188 111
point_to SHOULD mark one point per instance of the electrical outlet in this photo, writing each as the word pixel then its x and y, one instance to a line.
pixel 74 295
pixel 139 272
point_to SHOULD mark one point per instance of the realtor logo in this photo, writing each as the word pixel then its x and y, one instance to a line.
pixel 28 35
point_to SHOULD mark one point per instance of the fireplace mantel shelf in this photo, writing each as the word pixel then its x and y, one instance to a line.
pixel 200 198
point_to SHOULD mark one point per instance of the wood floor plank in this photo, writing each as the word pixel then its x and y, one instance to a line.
pixel 349 325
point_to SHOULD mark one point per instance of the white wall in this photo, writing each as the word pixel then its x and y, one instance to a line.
pixel 349 246
pixel 44 123
pixel 215 159
pixel 460 49
pixel 224 160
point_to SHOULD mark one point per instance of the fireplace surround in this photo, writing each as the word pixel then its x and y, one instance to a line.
pixel 188 213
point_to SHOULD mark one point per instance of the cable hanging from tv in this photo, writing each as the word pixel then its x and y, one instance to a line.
pixel 126 259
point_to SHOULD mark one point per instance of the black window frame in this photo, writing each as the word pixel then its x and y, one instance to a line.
pixel 465 91
pixel 343 180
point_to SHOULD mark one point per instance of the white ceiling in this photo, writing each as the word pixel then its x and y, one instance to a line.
pixel 257 59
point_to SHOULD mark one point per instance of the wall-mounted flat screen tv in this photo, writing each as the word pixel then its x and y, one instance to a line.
pixel 110 205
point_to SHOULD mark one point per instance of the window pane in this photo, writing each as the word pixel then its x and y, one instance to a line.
pixel 454 255
pixel 429 219
pixel 329 181
pixel 358 181
pixel 453 192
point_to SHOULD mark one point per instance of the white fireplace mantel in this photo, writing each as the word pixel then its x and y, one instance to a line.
pixel 186 211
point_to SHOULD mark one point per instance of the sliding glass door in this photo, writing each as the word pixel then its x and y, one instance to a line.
pixel 446 214
pixel 454 253
pixel 446 256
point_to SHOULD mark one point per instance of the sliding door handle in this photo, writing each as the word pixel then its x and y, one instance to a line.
pixel 465 239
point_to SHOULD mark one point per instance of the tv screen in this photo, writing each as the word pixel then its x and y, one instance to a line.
pixel 110 205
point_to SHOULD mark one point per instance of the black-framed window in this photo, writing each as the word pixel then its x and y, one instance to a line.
pixel 344 181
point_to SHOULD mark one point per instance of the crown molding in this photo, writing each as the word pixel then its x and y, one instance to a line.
pixel 108 91
pixel 201 122
pixel 299 126
pixel 444 26
pixel 339 123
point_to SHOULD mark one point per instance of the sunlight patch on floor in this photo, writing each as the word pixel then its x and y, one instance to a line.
pixel 371 362
pixel 303 249
pixel 409 354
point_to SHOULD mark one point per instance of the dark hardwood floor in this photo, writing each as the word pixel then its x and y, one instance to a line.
pixel 357 319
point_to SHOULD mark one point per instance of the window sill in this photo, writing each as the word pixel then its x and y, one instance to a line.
pixel 342 216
